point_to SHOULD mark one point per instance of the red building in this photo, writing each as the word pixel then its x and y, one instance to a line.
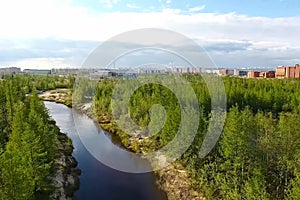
pixel 288 71
pixel 297 71
pixel 223 72
pixel 270 74
pixel 252 74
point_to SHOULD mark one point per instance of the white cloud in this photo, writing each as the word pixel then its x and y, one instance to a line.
pixel 109 3
pixel 197 9
pixel 171 11
pixel 132 6
pixel 269 37
pixel 36 19
pixel 43 63
pixel 169 1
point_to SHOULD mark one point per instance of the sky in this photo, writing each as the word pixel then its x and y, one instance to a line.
pixel 62 33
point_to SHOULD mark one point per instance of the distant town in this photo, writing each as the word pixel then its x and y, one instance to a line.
pixel 94 73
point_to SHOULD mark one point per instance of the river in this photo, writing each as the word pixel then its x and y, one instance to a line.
pixel 97 181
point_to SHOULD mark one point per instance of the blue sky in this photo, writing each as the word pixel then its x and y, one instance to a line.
pixel 267 8
pixel 62 33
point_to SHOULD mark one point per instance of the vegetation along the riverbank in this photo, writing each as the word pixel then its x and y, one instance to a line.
pixel 177 186
pixel 62 95
pixel 257 156
pixel 35 158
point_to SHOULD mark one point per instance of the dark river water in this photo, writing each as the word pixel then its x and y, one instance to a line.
pixel 98 181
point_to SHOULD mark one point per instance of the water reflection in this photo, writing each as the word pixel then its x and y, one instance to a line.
pixel 97 180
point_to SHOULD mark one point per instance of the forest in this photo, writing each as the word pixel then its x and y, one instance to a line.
pixel 258 153
pixel 28 137
pixel 256 157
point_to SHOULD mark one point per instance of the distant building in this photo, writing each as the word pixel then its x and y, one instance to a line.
pixel 154 70
pixel 253 74
pixel 236 72
pixel 230 72
pixel 190 70
pixel 223 72
pixel 243 73
pixel 226 72
pixel 37 71
pixel 74 71
pixel 65 71
pixel 270 74
pixel 102 74
pixel 288 71
pixel 187 70
pixel 297 71
pixel 261 74
pixel 126 73
pixel 210 71
pixel 280 72
pixel 10 70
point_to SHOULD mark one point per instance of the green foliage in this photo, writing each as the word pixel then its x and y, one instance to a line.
pixel 26 83
pixel 294 190
pixel 27 142
pixel 84 90
pixel 256 156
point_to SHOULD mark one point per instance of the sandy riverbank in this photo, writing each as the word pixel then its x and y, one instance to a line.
pixel 63 96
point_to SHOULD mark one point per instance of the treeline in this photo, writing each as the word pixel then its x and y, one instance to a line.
pixel 27 140
pixel 257 156
pixel 28 82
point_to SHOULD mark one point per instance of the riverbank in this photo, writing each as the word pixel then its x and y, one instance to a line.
pixel 66 174
pixel 174 179
pixel 65 178
pixel 62 95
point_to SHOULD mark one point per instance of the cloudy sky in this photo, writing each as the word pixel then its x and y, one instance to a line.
pixel 62 33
